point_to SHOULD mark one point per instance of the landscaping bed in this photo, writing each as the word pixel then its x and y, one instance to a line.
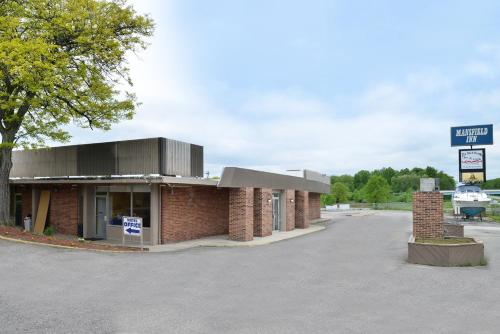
pixel 17 233
pixel 446 241
pixel 447 252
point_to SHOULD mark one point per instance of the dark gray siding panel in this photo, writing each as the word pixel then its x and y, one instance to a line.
pixel 44 162
pixel 196 160
pixel 177 158
pixel 97 159
pixel 132 157
pixel 138 157
pixel 163 156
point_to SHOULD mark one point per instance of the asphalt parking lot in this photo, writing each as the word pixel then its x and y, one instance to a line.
pixel 350 278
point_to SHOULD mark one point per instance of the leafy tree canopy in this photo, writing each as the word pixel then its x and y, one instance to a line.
pixel 377 189
pixel 340 192
pixel 61 61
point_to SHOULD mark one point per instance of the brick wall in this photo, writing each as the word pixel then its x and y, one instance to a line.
pixel 26 196
pixel 63 210
pixel 290 209
pixel 428 215
pixel 193 212
pixel 301 209
pixel 263 211
pixel 241 214
pixel 314 206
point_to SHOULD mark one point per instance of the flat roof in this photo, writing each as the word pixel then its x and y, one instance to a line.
pixel 232 177
pixel 146 179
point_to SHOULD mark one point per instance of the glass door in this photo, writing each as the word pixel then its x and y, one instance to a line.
pixel 277 211
pixel 101 216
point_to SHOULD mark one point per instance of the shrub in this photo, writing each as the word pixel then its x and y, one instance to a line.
pixel 49 230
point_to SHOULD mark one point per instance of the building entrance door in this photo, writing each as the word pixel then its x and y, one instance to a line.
pixel 101 220
pixel 276 211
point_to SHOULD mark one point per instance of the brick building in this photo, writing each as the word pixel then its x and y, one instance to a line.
pixel 90 188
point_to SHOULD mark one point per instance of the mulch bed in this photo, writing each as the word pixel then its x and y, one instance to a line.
pixel 63 240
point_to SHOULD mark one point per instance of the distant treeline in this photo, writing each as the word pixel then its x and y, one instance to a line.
pixel 491 184
pixel 382 185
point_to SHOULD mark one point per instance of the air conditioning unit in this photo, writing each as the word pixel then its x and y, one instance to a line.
pixel 429 184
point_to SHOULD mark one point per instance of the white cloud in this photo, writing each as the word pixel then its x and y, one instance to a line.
pixel 481 69
pixel 399 124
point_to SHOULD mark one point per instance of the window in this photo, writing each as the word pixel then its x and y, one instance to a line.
pixel 120 206
pixel 141 207
pixel 129 201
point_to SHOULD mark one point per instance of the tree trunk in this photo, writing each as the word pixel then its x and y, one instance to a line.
pixel 5 167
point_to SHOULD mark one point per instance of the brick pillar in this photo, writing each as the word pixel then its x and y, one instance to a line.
pixel 262 212
pixel 301 209
pixel 290 209
pixel 241 214
pixel 314 206
pixel 428 214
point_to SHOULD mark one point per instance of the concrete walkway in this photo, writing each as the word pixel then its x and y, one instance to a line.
pixel 223 241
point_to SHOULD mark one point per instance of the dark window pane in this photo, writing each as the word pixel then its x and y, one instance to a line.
pixel 120 206
pixel 142 207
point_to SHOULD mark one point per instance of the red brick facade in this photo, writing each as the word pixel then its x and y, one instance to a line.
pixel 63 207
pixel 241 214
pixel 290 209
pixel 262 212
pixel 26 197
pixel 428 215
pixel 63 211
pixel 314 206
pixel 301 209
pixel 193 212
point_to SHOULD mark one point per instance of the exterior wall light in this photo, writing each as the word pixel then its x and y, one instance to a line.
pixel 292 200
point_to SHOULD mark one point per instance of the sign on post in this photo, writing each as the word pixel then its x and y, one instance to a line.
pixel 132 226
pixel 472 135
pixel 472 164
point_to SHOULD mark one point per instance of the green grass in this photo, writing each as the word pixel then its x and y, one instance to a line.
pixel 446 241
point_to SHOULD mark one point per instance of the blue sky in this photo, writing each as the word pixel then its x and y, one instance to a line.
pixel 334 86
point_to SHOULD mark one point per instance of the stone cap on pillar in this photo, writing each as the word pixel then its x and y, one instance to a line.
pixel 429 184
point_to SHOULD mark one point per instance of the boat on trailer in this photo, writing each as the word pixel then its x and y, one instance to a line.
pixel 469 201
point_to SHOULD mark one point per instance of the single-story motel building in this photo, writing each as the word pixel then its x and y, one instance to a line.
pixel 85 190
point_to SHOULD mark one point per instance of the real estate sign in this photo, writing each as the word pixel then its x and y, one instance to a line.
pixel 472 135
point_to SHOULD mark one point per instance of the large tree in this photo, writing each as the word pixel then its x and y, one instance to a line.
pixel 377 189
pixel 62 62
pixel 340 192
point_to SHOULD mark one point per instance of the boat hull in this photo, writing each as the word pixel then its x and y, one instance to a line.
pixel 471 212
pixel 470 208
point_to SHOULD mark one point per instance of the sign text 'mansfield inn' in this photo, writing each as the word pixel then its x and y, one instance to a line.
pixel 472 135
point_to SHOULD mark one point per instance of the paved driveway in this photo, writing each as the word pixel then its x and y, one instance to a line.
pixel 350 278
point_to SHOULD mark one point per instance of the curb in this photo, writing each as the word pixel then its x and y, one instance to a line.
pixel 237 245
pixel 67 247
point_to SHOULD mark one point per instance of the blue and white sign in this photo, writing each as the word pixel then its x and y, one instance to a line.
pixel 132 226
pixel 472 135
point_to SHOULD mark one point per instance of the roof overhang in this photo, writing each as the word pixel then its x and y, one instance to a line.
pixel 169 180
pixel 235 177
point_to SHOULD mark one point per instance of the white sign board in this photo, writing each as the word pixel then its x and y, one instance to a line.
pixel 472 160
pixel 132 226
